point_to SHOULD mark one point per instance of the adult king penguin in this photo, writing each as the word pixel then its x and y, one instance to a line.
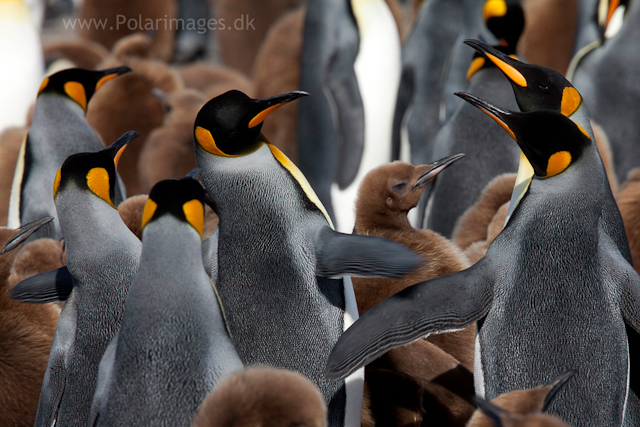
pixel 171 313
pixel 102 258
pixel 554 291
pixel 351 64
pixel 58 130
pixel 280 264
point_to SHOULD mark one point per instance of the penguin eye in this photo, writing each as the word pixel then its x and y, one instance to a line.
pixel 543 87
pixel 399 187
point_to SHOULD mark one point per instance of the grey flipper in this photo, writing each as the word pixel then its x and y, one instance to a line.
pixel 349 112
pixel 340 254
pixel 210 255
pixel 24 232
pixel 445 304
pixel 104 373
pixel 50 286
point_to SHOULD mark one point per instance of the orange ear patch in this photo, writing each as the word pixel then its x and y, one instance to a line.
pixel 149 209
pixel 44 84
pixel 494 8
pixel 194 212
pixel 98 182
pixel 76 91
pixel 571 100
pixel 56 182
pixel 558 162
pixel 206 141
pixel 513 74
pixel 476 65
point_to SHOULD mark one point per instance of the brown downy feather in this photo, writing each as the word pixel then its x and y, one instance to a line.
pixel 628 199
pixel 478 249
pixel 473 224
pixel 213 80
pixel 419 382
pixel 161 12
pixel 549 32
pixel 375 217
pixel 10 142
pixel 82 53
pixel 604 148
pixel 168 152
pixel 26 332
pixel 128 103
pixel 265 397
pixel 277 70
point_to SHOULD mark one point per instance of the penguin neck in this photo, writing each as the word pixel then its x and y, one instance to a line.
pixel 53 106
pixel 382 219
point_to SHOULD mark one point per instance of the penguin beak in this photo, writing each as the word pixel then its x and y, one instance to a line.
pixel 509 66
pixel 555 386
pixel 434 169
pixel 116 149
pixel 110 73
pixel 24 232
pixel 269 105
pixel 496 113
pixel 490 410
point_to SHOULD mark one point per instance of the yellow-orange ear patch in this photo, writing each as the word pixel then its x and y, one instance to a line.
pixel 206 141
pixel 494 8
pixel 104 80
pixel 56 182
pixel 259 118
pixel 476 64
pixel 98 182
pixel 76 91
pixel 194 212
pixel 558 162
pixel 571 100
pixel 513 74
pixel 149 210
pixel 44 84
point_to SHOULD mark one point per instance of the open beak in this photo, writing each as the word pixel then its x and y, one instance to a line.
pixel 436 167
pixel 24 232
pixel 272 103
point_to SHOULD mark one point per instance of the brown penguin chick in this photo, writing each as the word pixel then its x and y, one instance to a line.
pixel 277 70
pixel 82 53
pixel 10 142
pixel 549 33
pixel 628 199
pixel 26 332
pixel 386 195
pixel 419 382
pixel 521 408
pixel 129 103
pixel 238 46
pixel 213 78
pixel 604 148
pixel 473 224
pixel 168 151
pixel 265 397
pixel 138 16
pixel 477 250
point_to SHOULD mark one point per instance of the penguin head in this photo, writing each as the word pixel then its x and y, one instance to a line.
pixel 390 191
pixel 505 19
pixel 181 198
pixel 229 125
pixel 95 172
pixel 79 84
pixel 549 140
pixel 535 87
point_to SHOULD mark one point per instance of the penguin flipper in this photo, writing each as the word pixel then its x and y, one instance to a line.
pixel 444 304
pixel 344 92
pixel 342 254
pixel 50 286
pixel 210 255
pixel 105 371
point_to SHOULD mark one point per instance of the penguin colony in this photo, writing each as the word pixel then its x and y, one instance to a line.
pixel 323 229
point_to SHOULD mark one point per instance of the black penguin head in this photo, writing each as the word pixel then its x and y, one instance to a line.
pixel 229 125
pixel 182 198
pixel 549 140
pixel 505 19
pixel 535 87
pixel 95 172
pixel 79 84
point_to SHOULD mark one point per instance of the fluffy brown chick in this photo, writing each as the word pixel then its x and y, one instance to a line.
pixel 521 408
pixel 628 199
pixel 168 151
pixel 386 195
pixel 26 332
pixel 161 12
pixel 477 250
pixel 82 53
pixel 604 148
pixel 213 80
pixel 10 142
pixel 265 397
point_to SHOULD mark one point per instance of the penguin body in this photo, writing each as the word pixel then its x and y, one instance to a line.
pixel 171 314
pixel 275 234
pixel 555 288
pixel 58 130
pixel 101 275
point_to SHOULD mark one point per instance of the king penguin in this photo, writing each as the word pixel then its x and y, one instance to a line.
pixel 102 259
pixel 171 313
pixel 278 257
pixel 553 292
pixel 345 131
pixel 58 130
